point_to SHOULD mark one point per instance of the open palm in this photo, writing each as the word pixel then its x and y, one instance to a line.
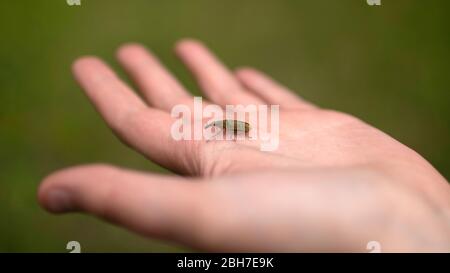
pixel 334 183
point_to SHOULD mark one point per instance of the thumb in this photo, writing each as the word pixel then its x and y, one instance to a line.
pixel 154 205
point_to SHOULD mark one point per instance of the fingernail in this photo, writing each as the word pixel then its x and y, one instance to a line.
pixel 59 201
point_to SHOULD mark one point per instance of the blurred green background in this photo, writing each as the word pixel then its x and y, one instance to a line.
pixel 388 65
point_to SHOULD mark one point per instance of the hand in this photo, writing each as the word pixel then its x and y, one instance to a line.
pixel 334 184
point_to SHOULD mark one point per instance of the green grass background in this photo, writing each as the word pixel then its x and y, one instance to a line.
pixel 388 65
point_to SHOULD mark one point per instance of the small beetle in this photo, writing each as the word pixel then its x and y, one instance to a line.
pixel 231 125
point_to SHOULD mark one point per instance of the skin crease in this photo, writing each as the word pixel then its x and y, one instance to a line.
pixel 334 184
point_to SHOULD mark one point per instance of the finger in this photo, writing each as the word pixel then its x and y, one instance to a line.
pixel 153 205
pixel 109 94
pixel 146 129
pixel 158 86
pixel 217 82
pixel 269 90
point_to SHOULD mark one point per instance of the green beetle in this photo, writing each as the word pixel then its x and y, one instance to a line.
pixel 231 125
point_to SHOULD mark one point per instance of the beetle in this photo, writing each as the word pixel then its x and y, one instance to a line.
pixel 231 125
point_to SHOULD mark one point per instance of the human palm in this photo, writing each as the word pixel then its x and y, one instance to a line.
pixel 334 183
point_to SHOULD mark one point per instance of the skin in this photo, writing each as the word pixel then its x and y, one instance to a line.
pixel 334 184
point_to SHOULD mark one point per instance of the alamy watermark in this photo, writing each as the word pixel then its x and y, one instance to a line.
pixel 73 2
pixel 374 2
pixel 74 247
pixel 253 122
pixel 373 247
